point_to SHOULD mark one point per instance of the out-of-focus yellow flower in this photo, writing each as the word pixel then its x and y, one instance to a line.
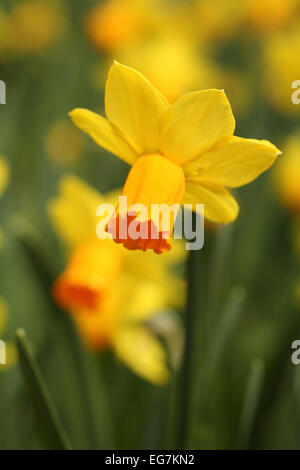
pixel 4 175
pixel 280 70
pixel 270 15
pixel 115 23
pixel 31 26
pixel 171 63
pixel 111 292
pixel 184 153
pixel 175 66
pixel 4 180
pixel 63 144
pixel 218 20
pixel 287 175
pixel 10 349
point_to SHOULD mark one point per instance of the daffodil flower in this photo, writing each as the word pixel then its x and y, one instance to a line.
pixel 4 175
pixel 184 153
pixel 270 15
pixel 4 179
pixel 287 175
pixel 114 23
pixel 10 351
pixel 31 26
pixel 113 294
pixel 278 60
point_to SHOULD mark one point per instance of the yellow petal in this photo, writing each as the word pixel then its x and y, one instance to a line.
pixel 142 298
pixel 148 262
pixel 194 124
pixel 219 205
pixel 4 175
pixel 103 133
pixel 134 106
pixel 73 211
pixel 161 288
pixel 237 163
pixel 143 353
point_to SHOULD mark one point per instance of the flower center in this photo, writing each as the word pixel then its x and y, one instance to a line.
pixel 154 190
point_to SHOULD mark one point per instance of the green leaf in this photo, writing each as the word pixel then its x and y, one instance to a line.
pixel 51 430
pixel 83 374
pixel 251 399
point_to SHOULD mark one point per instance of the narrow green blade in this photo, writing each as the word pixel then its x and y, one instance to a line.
pixel 251 400
pixel 51 431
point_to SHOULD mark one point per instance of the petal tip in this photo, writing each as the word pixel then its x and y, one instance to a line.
pixel 74 113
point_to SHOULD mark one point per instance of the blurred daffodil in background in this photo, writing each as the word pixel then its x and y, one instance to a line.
pixel 288 175
pixel 10 353
pixel 217 21
pixel 280 69
pixel 113 294
pixel 185 153
pixel 10 348
pixel 4 180
pixel 30 27
pixel 268 16
pixel 158 57
pixel 113 23
pixel 4 174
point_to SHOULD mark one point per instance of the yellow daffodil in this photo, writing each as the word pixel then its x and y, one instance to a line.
pixel 4 175
pixel 10 352
pixel 31 26
pixel 280 70
pixel 172 62
pixel 115 23
pixel 270 15
pixel 112 293
pixel 184 153
pixel 174 66
pixel 287 175
pixel 4 179
pixel 218 20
